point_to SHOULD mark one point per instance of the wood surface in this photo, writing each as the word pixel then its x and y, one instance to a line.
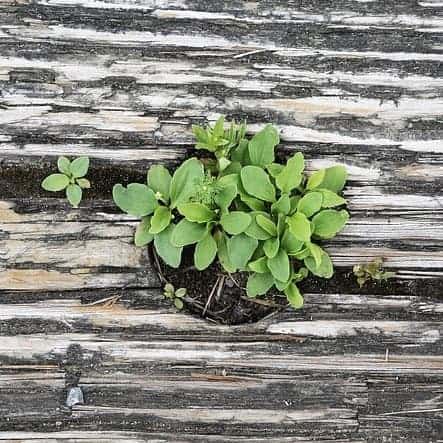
pixel 347 82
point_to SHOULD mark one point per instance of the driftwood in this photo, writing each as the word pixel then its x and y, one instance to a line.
pixel 351 82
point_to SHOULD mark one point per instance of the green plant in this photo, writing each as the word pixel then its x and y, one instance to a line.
pixel 176 296
pixel 71 178
pixel 242 207
pixel 371 271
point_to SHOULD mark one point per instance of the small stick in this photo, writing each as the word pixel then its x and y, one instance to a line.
pixel 260 302
pixel 159 269
pixel 220 287
pixel 413 411
pixel 211 295
pixel 245 54
pixel 103 300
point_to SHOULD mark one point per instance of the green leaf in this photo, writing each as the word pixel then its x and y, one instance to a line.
pixel 274 169
pixel 254 230
pixel 282 205
pixel 282 285
pixel 79 167
pixel 262 145
pixel 302 254
pixel 225 196
pixel 260 265
pixel 291 244
pixel 267 224
pixel 315 179
pixel 169 253
pixel 257 183
pixel 259 284
pixel 333 179
pixel 180 292
pixel 142 235
pixel 310 203
pixel 253 203
pixel 196 212
pixel 331 199
pixel 291 175
pixel 178 304
pixel 222 252
pixel 294 297
pixel 325 269
pixel 279 266
pixel 159 180
pixel 63 165
pixel 299 226
pixel 185 180
pixel 74 195
pixel 137 199
pixel 218 129
pixel 329 221
pixel 83 183
pixel 271 246
pixel 55 182
pixel 240 249
pixel 235 222
pixel 186 233
pixel 205 252
pixel 160 220
pixel 316 252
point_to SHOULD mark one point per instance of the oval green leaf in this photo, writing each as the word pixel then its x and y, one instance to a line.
pixel 185 180
pixel 294 296
pixel 79 167
pixel 279 266
pixel 55 182
pixel 257 183
pixel 187 233
pixel 235 222
pixel 159 180
pixel 329 221
pixel 310 203
pixel 240 249
pixel 259 284
pixel 261 147
pixel 205 252
pixel 63 165
pixel 299 226
pixel 169 253
pixel 142 235
pixel 160 220
pixel 196 212
pixel 137 199
pixel 74 195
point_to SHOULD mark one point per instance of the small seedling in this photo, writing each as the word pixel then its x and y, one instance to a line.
pixel 71 178
pixel 371 271
pixel 175 296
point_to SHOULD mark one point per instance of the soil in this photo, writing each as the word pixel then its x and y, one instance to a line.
pixel 215 295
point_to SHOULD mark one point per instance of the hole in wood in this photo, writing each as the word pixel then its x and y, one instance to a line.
pixel 214 294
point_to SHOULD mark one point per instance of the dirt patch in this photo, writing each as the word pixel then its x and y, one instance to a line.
pixel 215 295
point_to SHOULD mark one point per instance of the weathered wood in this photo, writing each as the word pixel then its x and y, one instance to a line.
pixel 353 82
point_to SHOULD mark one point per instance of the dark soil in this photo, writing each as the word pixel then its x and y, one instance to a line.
pixel 215 295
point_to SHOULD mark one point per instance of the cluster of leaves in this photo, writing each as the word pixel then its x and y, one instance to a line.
pixel 71 179
pixel 254 214
pixel 371 271
pixel 176 296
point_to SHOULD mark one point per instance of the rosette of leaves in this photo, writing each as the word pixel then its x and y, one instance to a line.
pixel 279 216
pixel 220 141
pixel 71 179
pixel 253 214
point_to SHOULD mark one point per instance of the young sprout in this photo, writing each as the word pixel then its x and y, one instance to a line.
pixel 175 296
pixel 371 271
pixel 71 179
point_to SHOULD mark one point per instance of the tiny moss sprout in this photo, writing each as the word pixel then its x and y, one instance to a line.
pixel 71 179
pixel 371 271
pixel 176 296
pixel 239 206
